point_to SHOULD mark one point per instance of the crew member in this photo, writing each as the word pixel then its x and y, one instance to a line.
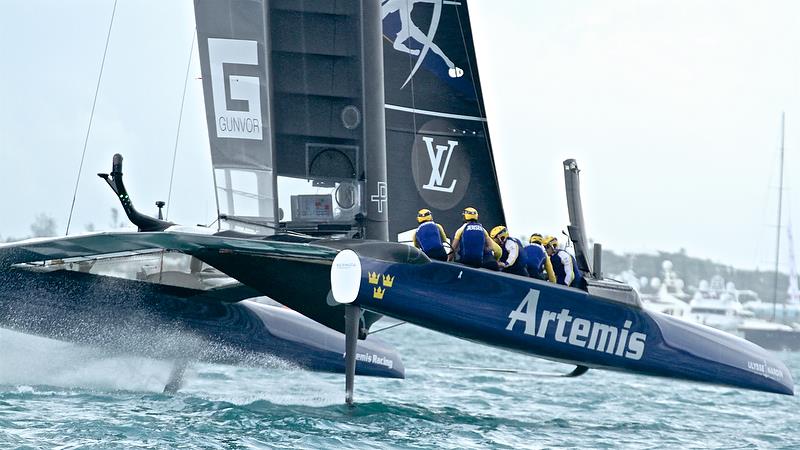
pixel 564 265
pixel 537 261
pixel 472 244
pixel 430 236
pixel 512 259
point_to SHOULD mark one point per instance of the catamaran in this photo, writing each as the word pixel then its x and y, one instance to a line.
pixel 330 124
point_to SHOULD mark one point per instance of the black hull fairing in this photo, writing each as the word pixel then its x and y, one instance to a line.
pixel 175 323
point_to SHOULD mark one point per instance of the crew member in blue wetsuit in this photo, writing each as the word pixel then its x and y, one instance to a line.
pixel 512 259
pixel 564 265
pixel 472 245
pixel 430 236
pixel 537 261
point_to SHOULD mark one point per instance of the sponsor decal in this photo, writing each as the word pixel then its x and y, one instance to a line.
pixel 372 358
pixel 577 331
pixel 381 197
pixel 345 277
pixel 410 31
pixel 236 98
pixel 473 227
pixel 385 279
pixel 762 368
pixel 440 164
pixel 439 170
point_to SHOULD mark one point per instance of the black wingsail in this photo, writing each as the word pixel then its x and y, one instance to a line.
pixel 291 91
pixel 439 154
pixel 295 111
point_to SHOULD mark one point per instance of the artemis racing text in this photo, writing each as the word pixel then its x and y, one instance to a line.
pixel 374 359
pixel 576 331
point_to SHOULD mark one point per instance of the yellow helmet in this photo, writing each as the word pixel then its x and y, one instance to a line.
pixel 550 240
pixel 470 213
pixel 536 238
pixel 499 231
pixel 424 215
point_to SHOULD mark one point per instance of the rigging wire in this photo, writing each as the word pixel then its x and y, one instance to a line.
pixel 178 131
pixel 387 328
pixel 479 97
pixel 91 117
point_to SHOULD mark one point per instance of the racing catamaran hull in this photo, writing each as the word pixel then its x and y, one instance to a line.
pixel 550 321
pixel 176 323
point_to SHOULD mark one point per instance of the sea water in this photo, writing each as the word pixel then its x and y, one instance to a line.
pixel 57 395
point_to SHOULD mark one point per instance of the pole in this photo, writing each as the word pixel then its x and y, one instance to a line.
pixel 780 204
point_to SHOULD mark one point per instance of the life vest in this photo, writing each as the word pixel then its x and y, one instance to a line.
pixel 473 241
pixel 535 257
pixel 518 267
pixel 564 263
pixel 429 238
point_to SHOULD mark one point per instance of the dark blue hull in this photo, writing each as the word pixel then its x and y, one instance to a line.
pixel 559 323
pixel 175 323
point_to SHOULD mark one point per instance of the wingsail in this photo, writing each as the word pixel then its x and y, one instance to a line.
pixel 232 42
pixel 439 153
pixel 296 121
pixel 317 163
pixel 309 131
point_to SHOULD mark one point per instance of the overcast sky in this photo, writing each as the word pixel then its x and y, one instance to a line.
pixel 672 109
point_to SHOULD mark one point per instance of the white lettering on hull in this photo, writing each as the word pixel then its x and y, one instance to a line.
pixel 374 359
pixel 576 331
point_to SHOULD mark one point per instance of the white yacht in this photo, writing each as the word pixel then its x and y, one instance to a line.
pixel 717 305
pixel 669 297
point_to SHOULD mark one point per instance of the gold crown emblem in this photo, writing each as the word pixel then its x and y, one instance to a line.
pixel 377 292
pixel 388 280
pixel 373 278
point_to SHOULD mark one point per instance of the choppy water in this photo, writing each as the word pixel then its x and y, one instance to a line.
pixel 56 395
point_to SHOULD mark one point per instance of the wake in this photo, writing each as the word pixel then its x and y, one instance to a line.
pixel 31 360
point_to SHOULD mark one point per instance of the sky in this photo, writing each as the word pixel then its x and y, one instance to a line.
pixel 672 109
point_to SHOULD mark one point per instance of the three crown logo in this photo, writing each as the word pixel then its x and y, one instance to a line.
pixel 386 281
